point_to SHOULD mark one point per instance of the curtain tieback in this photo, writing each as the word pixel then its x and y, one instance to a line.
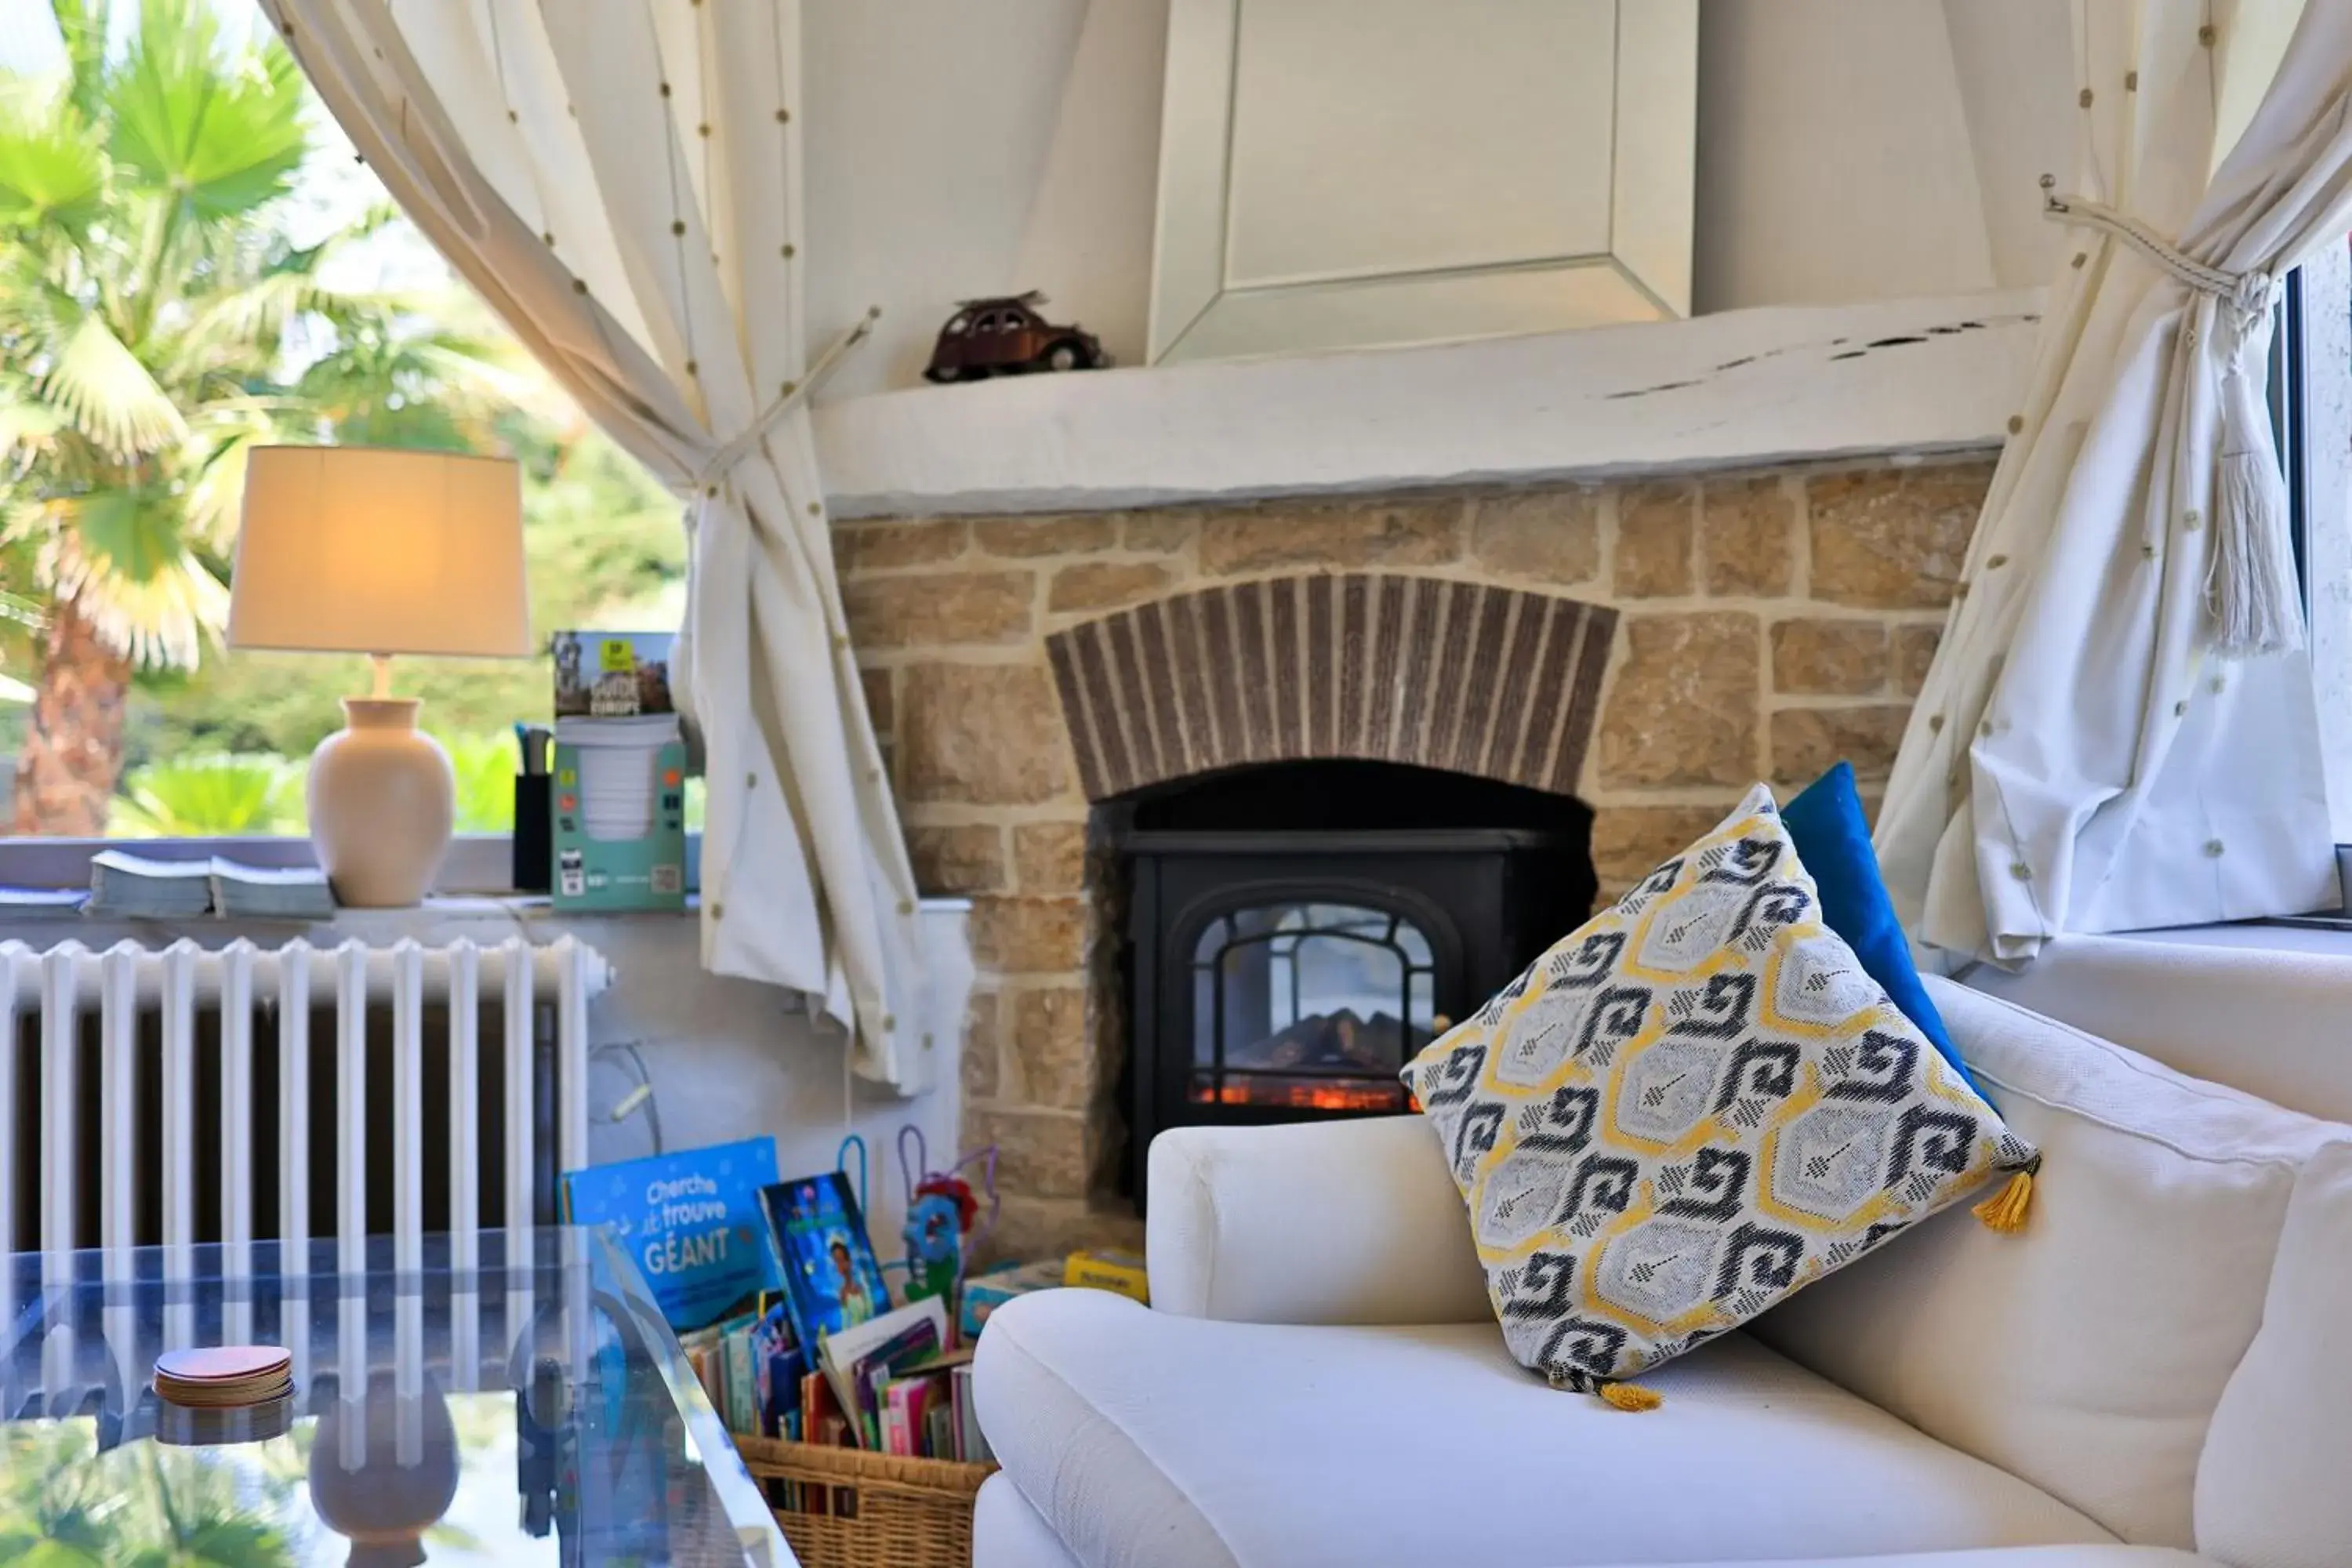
pixel 2251 589
pixel 722 462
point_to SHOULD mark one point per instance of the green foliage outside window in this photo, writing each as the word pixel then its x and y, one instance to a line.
pixel 158 317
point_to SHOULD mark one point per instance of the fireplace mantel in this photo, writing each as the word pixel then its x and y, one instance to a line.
pixel 1738 389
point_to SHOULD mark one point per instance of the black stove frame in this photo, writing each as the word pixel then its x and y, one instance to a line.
pixel 1486 899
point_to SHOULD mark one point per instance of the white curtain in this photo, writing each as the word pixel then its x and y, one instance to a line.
pixel 2085 756
pixel 620 179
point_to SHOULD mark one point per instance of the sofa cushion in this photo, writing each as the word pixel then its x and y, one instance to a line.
pixel 1146 1438
pixel 2085 1352
pixel 1692 1104
pixel 1314 1222
pixel 2264 1020
pixel 2271 1490
pixel 1831 834
pixel 1007 1532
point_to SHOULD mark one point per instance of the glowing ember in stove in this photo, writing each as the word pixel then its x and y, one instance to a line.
pixel 1295 1094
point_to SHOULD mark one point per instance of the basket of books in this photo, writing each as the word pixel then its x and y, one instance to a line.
pixel 853 1413
pixel 848 1508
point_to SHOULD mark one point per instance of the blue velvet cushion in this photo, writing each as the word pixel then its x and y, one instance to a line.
pixel 1825 823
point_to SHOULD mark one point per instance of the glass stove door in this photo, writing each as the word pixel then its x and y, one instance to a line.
pixel 1306 1004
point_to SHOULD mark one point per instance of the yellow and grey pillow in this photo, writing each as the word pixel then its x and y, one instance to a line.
pixel 1691 1106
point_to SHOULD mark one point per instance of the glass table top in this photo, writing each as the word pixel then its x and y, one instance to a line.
pixel 526 1404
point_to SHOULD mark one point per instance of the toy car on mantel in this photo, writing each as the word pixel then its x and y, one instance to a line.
pixel 1006 336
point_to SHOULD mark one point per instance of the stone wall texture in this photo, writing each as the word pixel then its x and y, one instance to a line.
pixel 1766 625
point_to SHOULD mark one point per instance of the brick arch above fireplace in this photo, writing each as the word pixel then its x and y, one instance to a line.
pixel 1473 678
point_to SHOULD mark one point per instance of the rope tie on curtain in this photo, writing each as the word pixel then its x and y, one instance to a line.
pixel 722 462
pixel 2252 586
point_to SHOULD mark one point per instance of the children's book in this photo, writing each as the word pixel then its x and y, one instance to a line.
pixel 845 1350
pixel 831 1278
pixel 776 1367
pixel 821 1417
pixel 692 1221
pixel 970 1446
pixel 921 1394
pixel 907 1407
pixel 859 1360
pixel 742 1398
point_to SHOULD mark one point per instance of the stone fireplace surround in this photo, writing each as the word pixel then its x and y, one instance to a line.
pixel 1651 646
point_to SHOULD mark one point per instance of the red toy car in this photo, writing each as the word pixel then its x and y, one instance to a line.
pixel 1006 336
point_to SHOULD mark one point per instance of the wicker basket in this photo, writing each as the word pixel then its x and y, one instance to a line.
pixel 881 1511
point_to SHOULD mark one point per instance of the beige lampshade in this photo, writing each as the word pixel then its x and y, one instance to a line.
pixel 369 549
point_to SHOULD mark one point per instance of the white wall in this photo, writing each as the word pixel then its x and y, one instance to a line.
pixel 932 127
pixel 1849 150
pixel 733 1059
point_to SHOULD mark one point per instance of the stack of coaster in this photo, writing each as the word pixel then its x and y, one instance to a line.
pixel 220 1376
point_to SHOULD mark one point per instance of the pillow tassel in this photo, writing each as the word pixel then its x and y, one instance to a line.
pixel 1630 1396
pixel 2005 1211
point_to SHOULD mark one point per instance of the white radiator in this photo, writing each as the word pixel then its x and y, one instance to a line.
pixel 183 1016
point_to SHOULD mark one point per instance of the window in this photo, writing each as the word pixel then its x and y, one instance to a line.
pixel 293 303
pixel 2312 404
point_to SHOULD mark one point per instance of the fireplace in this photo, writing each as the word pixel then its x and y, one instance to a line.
pixel 1043 684
pixel 1297 932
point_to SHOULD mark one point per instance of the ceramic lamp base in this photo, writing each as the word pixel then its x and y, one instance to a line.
pixel 383 800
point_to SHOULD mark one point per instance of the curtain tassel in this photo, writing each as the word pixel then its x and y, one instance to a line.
pixel 2251 588
pixel 2255 598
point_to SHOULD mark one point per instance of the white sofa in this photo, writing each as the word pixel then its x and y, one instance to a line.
pixel 2124 1384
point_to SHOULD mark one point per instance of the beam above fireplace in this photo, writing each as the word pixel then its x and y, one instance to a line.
pixel 1741 388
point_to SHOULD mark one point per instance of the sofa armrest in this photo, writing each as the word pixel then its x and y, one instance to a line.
pixel 1317 1221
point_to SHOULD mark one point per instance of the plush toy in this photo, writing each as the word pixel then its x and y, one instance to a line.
pixel 940 1209
pixel 937 1223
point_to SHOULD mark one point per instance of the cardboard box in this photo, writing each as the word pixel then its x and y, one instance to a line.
pixel 983 1293
pixel 617 803
pixel 1113 1271
pixel 642 873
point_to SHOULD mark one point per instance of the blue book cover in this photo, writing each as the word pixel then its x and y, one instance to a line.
pixel 691 1220
pixel 831 1278
pixel 781 1366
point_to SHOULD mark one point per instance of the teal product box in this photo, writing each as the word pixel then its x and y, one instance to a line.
pixel 983 1293
pixel 618 780
pixel 645 872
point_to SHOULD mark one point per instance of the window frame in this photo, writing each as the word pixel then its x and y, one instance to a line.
pixel 2311 411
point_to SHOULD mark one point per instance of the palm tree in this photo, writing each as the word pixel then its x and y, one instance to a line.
pixel 148 301
pixel 211 795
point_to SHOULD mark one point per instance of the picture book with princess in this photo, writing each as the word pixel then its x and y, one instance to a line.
pixel 831 1277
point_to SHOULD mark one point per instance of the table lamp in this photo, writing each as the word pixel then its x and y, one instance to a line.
pixel 365 550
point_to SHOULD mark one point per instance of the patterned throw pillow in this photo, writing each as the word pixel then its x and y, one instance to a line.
pixel 1693 1105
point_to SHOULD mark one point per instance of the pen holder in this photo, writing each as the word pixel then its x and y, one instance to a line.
pixel 534 833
